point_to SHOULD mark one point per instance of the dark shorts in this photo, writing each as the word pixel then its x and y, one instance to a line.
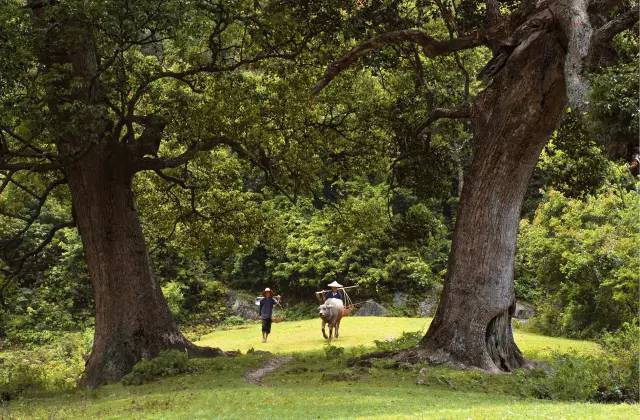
pixel 266 325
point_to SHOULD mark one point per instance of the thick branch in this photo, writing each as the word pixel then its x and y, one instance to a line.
pixel 622 22
pixel 162 163
pixel 35 213
pixel 210 68
pixel 26 166
pixel 430 46
pixel 461 112
pixel 493 11
pixel 46 241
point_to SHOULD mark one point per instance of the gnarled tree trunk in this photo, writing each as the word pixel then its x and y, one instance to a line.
pixel 514 117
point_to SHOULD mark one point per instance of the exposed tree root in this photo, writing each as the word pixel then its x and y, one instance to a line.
pixel 419 354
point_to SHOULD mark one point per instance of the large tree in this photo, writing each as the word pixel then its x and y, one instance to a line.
pixel 542 54
pixel 94 93
pixel 103 99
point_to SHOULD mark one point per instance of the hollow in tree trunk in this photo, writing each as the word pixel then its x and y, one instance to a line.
pixel 514 117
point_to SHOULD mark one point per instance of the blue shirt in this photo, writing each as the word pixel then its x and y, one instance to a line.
pixel 334 295
pixel 266 307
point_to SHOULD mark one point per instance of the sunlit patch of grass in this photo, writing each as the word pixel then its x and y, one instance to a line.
pixel 302 336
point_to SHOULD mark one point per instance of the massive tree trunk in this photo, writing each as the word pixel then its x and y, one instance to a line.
pixel 514 117
pixel 132 317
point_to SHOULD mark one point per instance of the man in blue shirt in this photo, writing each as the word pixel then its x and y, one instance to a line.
pixel 334 293
pixel 266 311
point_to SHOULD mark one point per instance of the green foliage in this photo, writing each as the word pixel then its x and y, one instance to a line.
pixel 333 352
pixel 167 363
pixel 356 240
pixel 579 377
pixel 615 101
pixel 623 350
pixel 51 367
pixel 405 341
pixel 577 260
pixel 173 293
pixel 233 321
pixel 300 311
pixel 572 377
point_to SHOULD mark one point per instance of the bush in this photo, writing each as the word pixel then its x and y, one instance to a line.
pixel 233 321
pixel 572 377
pixel 173 293
pixel 53 367
pixel 168 363
pixel 623 350
pixel 300 311
pixel 405 341
pixel 333 352
pixel 575 377
pixel 580 256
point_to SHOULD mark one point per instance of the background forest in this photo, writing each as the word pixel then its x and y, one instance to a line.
pixel 348 185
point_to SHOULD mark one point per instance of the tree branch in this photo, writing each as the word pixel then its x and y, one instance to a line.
pixel 27 166
pixel 156 164
pixel 624 21
pixel 430 46
pixel 35 214
pixel 46 241
pixel 493 11
pixel 463 111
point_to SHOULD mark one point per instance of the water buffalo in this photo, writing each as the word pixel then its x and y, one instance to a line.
pixel 331 313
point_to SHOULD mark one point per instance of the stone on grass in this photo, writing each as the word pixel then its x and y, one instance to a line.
pixel 524 311
pixel 371 308
pixel 241 306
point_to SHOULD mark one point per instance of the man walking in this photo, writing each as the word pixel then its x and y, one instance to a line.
pixel 266 311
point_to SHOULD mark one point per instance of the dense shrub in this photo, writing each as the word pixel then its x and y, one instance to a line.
pixel 623 351
pixel 168 363
pixel 578 377
pixel 333 352
pixel 578 261
pixel 359 240
pixel 173 293
pixel 56 366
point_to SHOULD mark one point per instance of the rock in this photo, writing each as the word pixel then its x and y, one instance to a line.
pixel 429 305
pixel 524 310
pixel 241 306
pixel 423 376
pixel 400 299
pixel 371 308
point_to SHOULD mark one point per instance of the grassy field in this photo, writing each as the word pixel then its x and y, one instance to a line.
pixel 304 388
pixel 304 336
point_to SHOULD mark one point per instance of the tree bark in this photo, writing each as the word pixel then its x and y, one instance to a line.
pixel 514 117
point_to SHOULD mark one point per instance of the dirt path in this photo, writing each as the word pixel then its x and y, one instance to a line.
pixel 255 376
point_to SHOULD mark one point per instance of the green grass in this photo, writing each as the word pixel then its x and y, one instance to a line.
pixel 298 390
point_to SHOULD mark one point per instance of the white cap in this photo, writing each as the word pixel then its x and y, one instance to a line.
pixel 334 284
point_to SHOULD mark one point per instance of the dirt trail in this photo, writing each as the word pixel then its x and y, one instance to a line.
pixel 255 376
